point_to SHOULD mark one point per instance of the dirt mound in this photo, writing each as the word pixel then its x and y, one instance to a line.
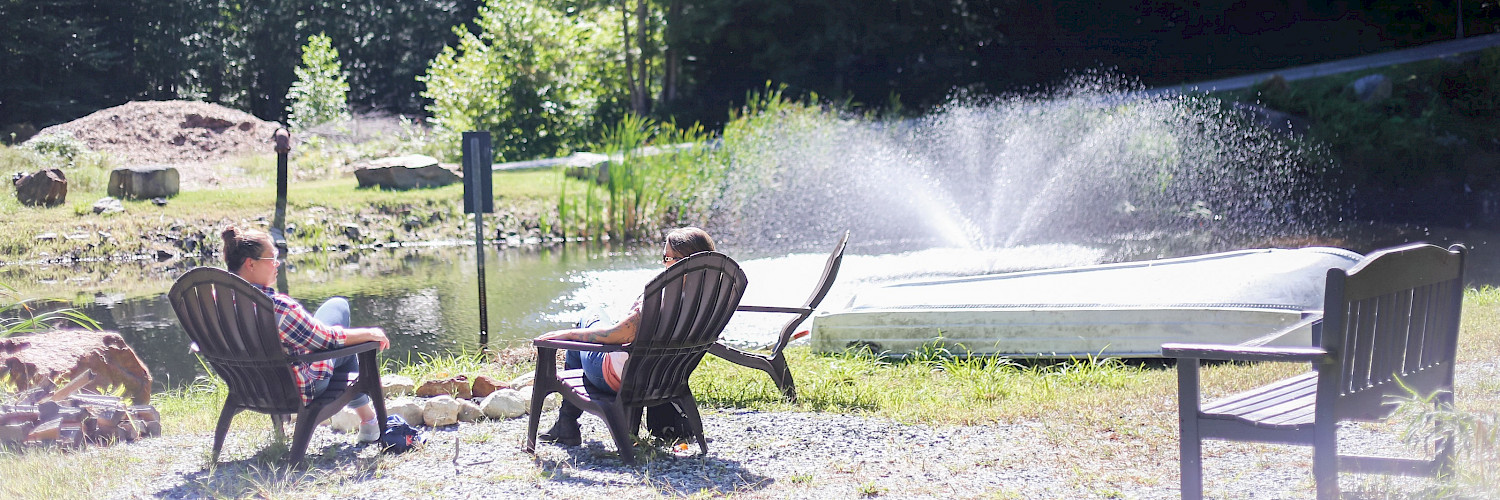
pixel 170 132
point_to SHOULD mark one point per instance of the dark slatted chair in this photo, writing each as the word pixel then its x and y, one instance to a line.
pixel 234 327
pixel 774 363
pixel 1391 320
pixel 682 313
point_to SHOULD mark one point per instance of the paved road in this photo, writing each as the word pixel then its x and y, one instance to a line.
pixel 1430 51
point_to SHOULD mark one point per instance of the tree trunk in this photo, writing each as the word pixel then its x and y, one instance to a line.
pixel 669 76
pixel 635 98
pixel 642 30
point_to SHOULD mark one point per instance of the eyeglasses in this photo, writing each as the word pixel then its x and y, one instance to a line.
pixel 273 260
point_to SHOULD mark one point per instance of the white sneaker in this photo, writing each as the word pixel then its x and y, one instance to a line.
pixel 369 432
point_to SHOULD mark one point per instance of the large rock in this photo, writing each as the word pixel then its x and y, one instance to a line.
pixel 484 385
pixel 504 403
pixel 468 411
pixel 47 187
pixel 345 421
pixel 441 411
pixel 456 386
pixel 39 358
pixel 108 205
pixel 396 385
pixel 1372 88
pixel 143 182
pixel 404 172
pixel 410 410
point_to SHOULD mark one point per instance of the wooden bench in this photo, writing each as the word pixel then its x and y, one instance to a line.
pixel 1388 322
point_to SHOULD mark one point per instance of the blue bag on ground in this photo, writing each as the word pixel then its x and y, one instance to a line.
pixel 400 436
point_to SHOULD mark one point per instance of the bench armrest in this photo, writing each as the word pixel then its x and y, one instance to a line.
pixel 577 346
pixel 774 309
pixel 338 353
pixel 1243 353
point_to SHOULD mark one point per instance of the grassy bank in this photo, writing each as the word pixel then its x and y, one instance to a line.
pixel 1127 412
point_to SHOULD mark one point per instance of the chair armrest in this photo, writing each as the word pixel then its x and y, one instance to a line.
pixel 774 309
pixel 338 353
pixel 1243 353
pixel 577 346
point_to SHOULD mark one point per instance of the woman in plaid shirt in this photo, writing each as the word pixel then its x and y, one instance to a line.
pixel 250 254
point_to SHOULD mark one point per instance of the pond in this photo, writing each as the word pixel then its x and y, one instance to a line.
pixel 426 297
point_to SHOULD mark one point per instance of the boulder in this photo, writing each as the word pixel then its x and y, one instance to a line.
pixel 468 411
pixel 404 172
pixel 39 358
pixel 108 205
pixel 504 403
pixel 344 421
pixel 1372 88
pixel 408 409
pixel 143 182
pixel 440 411
pixel 396 385
pixel 455 386
pixel 47 187
pixel 484 385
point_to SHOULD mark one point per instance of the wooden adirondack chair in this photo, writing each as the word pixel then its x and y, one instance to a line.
pixel 774 363
pixel 1390 320
pixel 234 327
pixel 682 313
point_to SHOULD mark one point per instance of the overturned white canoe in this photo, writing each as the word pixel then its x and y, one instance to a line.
pixel 1126 309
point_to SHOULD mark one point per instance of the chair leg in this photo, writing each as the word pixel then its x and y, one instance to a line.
pixel 1190 441
pixel 783 378
pixel 226 416
pixel 302 435
pixel 695 421
pixel 534 420
pixel 278 424
pixel 1326 461
pixel 617 421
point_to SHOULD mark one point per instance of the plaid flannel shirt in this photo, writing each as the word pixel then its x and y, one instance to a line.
pixel 301 334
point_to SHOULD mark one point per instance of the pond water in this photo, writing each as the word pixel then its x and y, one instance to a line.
pixel 426 298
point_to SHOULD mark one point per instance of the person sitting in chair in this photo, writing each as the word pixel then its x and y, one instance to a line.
pixel 604 371
pixel 250 254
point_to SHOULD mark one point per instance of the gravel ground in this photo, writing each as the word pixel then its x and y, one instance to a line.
pixel 752 455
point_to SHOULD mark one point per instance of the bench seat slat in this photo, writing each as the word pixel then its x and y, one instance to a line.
pixel 1282 404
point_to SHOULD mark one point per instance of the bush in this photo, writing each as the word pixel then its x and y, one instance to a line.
pixel 533 77
pixel 321 94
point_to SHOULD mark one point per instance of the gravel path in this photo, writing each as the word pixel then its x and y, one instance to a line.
pixel 752 455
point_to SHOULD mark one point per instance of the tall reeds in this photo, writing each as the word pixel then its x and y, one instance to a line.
pixel 658 173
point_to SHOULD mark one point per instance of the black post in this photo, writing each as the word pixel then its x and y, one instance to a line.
pixel 278 224
pixel 477 200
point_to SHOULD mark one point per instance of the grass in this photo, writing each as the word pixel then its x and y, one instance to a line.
pixel 1125 411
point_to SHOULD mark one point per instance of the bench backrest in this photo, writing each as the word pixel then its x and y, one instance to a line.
pixel 1394 315
pixel 683 311
pixel 235 328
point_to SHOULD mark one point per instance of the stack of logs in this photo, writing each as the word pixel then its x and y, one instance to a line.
pixel 46 416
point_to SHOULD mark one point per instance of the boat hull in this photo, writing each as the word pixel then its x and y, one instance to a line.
pixel 1123 310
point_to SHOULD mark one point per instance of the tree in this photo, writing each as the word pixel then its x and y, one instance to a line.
pixel 321 93
pixel 533 76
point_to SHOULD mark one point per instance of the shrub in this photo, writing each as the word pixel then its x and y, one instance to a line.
pixel 321 94
pixel 532 76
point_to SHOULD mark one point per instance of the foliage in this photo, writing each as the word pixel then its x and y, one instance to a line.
pixel 657 174
pixel 533 77
pixel 321 94
pixel 1433 129
pixel 19 316
pixel 1473 435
